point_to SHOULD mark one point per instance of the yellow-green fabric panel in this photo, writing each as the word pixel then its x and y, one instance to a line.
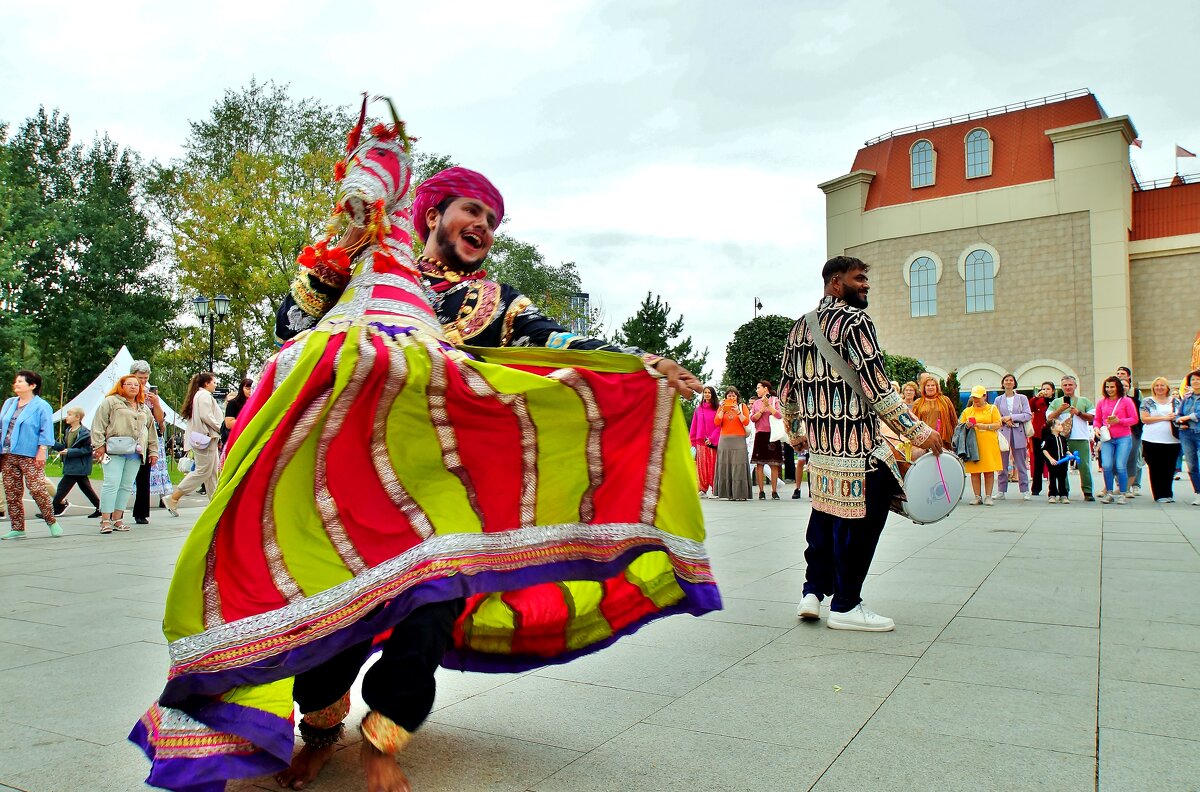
pixel 678 510
pixel 414 448
pixel 586 623
pixel 560 421
pixel 185 598
pixel 273 697
pixel 490 627
pixel 308 552
pixel 653 574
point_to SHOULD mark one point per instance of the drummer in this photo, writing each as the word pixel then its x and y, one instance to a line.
pixel 853 474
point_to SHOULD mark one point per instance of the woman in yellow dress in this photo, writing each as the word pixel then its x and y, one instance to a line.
pixel 986 420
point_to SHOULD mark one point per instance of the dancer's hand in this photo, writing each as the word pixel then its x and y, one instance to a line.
pixel 933 443
pixel 682 381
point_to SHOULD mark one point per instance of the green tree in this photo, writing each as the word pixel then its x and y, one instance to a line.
pixel 902 369
pixel 950 387
pixel 652 330
pixel 254 186
pixel 76 255
pixel 756 352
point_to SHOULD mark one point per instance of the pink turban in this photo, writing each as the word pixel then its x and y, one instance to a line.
pixel 454 183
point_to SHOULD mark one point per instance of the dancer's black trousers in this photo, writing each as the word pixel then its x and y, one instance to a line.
pixel 400 685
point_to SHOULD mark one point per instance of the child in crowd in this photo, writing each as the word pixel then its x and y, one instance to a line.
pixel 1054 446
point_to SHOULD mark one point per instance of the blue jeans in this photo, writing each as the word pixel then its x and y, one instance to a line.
pixel 1114 454
pixel 119 474
pixel 1190 442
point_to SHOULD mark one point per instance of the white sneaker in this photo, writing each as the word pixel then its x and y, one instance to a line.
pixel 859 618
pixel 810 608
pixel 1122 500
pixel 1024 496
pixel 1196 502
pixel 976 500
pixel 999 496
pixel 1135 490
pixel 1106 498
pixel 1052 499
pixel 1064 500
pixel 988 500
pixel 703 494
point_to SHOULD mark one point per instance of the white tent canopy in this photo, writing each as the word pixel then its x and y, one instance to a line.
pixel 90 397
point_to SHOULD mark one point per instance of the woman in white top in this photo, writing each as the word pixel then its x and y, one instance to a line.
pixel 204 429
pixel 1160 446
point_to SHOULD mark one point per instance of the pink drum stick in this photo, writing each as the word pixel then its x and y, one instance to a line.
pixel 937 458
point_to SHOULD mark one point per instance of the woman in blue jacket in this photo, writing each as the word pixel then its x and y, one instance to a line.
pixel 1188 422
pixel 26 434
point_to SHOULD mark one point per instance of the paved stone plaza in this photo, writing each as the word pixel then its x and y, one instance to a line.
pixel 1037 648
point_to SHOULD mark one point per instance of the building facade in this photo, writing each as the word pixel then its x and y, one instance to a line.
pixel 1017 240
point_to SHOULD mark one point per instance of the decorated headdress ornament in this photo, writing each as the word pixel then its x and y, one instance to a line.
pixel 454 182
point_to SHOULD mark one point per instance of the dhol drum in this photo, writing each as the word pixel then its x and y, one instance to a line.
pixel 931 494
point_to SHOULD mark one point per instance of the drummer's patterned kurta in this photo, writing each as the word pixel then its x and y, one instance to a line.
pixel 843 434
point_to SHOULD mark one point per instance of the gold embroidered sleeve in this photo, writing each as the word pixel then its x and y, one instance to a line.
pixel 863 350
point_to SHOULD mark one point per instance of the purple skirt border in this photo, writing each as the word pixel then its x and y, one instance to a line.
pixel 698 600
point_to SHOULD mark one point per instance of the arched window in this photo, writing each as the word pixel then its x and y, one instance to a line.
pixel 979 271
pixel 923 160
pixel 922 287
pixel 979 153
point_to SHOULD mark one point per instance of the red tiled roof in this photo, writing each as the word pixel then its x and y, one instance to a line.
pixel 1167 211
pixel 1021 153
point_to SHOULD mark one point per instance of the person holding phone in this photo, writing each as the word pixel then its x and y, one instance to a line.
pixel 1075 412
pixel 732 477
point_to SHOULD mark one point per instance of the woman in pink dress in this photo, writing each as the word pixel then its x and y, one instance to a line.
pixel 705 437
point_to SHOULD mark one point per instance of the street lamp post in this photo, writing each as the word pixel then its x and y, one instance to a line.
pixel 211 310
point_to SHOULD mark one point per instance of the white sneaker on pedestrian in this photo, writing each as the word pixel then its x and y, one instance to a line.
pixel 1196 502
pixel 999 496
pixel 1135 490
pixel 810 607
pixel 1064 500
pixel 1122 500
pixel 1162 500
pixel 1106 498
pixel 988 501
pixel 859 618
pixel 976 500
pixel 1024 496
pixel 1052 499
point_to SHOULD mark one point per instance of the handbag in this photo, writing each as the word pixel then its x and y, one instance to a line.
pixel 1028 426
pixel 120 445
pixel 199 440
pixel 186 464
pixel 1105 434
pixel 1004 446
pixel 778 430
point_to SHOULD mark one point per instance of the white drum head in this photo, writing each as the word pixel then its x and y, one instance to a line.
pixel 927 498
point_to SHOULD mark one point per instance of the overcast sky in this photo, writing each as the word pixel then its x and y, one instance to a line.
pixel 672 147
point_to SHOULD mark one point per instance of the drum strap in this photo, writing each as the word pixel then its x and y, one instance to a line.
pixel 836 361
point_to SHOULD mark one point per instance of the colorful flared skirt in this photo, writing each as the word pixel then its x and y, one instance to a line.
pixel 376 469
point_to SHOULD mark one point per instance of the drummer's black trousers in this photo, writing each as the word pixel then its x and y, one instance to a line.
pixel 839 550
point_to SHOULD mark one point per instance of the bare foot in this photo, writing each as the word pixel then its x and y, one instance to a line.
pixel 305 765
pixel 382 772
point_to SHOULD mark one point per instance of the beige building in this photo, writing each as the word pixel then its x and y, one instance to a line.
pixel 1017 240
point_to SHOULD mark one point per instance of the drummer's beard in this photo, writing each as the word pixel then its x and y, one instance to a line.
pixel 855 299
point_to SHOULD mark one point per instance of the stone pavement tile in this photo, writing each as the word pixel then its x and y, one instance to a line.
pixel 95 696
pixel 25 748
pixel 909 640
pixel 1027 718
pixel 780 552
pixel 1150 709
pixel 783 586
pixel 1015 668
pixel 1031 636
pixel 552 712
pixel 718 638
pixel 1039 600
pixel 1181 563
pixel 1065 554
pixel 883 588
pixel 861 673
pixel 650 758
pixel 1150 664
pixel 1129 760
pixel 83 637
pixel 905 612
pixel 1142 632
pixel 780 713
pixel 968 551
pixel 762 613
pixel 951 572
pixel 1119 548
pixel 1047 540
pixel 649 669
pixel 120 767
pixel 914 759
pixel 15 655
pixel 452 686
